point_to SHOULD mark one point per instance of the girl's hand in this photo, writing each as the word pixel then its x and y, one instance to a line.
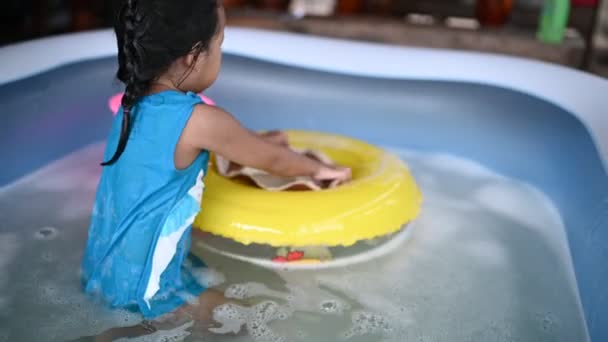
pixel 329 173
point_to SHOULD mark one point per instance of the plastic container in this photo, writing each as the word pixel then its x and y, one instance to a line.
pixel 553 21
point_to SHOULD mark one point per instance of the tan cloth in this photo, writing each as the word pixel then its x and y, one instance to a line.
pixel 270 182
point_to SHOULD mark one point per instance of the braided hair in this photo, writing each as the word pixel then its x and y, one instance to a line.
pixel 151 35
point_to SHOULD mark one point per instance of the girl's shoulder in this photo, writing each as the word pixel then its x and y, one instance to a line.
pixel 170 98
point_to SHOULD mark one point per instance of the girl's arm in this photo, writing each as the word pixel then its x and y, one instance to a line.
pixel 214 129
pixel 275 137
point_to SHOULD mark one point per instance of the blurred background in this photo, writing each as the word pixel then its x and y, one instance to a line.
pixel 568 32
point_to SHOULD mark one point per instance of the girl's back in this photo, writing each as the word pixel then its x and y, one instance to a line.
pixel 145 187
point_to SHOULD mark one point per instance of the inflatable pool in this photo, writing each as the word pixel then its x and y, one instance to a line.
pixel 511 156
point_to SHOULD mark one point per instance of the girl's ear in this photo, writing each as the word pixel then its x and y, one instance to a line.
pixel 188 60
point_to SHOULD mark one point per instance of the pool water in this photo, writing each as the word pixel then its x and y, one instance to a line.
pixel 487 260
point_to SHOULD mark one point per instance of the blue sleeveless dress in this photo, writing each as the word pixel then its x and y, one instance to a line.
pixel 137 254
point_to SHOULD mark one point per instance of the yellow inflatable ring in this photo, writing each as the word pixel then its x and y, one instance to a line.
pixel 380 199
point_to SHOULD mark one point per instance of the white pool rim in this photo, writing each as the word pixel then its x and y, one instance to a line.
pixel 582 94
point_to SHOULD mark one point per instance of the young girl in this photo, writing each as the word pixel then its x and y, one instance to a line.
pixel 136 256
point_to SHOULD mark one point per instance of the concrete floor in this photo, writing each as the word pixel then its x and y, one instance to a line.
pixel 600 57
pixel 510 40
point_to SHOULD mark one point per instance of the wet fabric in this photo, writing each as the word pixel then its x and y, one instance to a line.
pixel 139 237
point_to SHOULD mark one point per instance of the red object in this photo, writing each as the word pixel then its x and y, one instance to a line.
pixel 279 259
pixel 114 102
pixel 493 12
pixel 291 256
pixel 585 3
pixel 347 7
pixel 295 255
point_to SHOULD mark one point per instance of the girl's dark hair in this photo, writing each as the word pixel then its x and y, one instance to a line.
pixel 151 35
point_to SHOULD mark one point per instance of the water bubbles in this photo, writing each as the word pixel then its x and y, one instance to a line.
pixel 328 306
pixel 365 322
pixel 50 294
pixel 268 311
pixel 251 289
pixel 347 335
pixel 188 298
pixel 300 335
pixel 261 332
pixel 178 334
pixel 48 290
pixel 230 311
pixel 333 306
pixel 208 277
pixel 48 257
pixel 237 291
pixel 232 317
pixel 129 318
pixel 428 290
pixel 547 321
pixel 46 233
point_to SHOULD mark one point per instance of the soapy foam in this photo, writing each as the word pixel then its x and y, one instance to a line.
pixel 178 334
pixel 251 289
pixel 366 323
pixel 40 253
pixel 255 319
pixel 488 260
pixel 208 276
pixel 46 233
pixel 332 306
